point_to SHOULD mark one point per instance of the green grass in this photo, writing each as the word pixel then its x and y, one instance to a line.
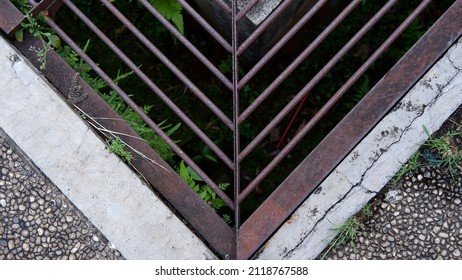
pixel 116 146
pixel 449 156
pixel 345 233
pixel 410 167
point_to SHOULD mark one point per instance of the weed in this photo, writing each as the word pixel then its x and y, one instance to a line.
pixel 170 10
pixel 119 106
pixel 116 146
pixel 347 232
pixel 204 191
pixel 36 27
pixel 410 167
pixel 449 155
pixel 227 219
pixel 366 211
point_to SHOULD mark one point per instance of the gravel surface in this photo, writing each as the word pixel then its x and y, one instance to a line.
pixel 418 217
pixel 36 220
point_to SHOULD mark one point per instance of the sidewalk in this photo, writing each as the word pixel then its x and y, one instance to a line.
pixel 104 189
pixel 38 221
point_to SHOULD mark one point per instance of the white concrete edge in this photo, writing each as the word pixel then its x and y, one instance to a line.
pixel 108 193
pixel 260 11
pixel 367 169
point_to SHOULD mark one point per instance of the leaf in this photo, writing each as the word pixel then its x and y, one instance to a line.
pixel 211 158
pixel 178 21
pixel 184 171
pixel 171 10
pixel 55 41
pixel 193 174
pixel 217 203
pixel 19 35
pixel 205 195
pixel 173 129
pixel 223 186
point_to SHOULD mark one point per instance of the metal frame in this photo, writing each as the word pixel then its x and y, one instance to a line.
pixel 245 240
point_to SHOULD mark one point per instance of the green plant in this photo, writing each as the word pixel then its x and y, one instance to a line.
pixel 116 146
pixel 366 211
pixel 23 5
pixel 36 27
pixel 171 10
pixel 410 167
pixel 205 192
pixel 227 218
pixel 119 106
pixel 449 155
pixel 347 232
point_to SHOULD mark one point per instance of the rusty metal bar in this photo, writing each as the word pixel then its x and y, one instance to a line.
pixel 263 26
pixel 197 92
pixel 224 6
pixel 350 131
pixel 151 85
pixel 236 140
pixel 203 219
pixel 262 62
pixel 335 98
pixel 187 44
pixel 206 25
pixel 246 9
pixel 137 109
pixel 249 236
pixel 13 20
pixel 281 77
pixel 41 6
pixel 49 7
pixel 317 78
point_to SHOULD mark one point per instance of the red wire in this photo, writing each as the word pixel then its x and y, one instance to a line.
pixel 284 135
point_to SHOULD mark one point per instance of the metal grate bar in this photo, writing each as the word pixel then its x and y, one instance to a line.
pixel 282 42
pixel 247 236
pixel 224 6
pixel 197 92
pixel 206 25
pixel 188 44
pixel 349 132
pixel 246 9
pixel 295 100
pixel 281 77
pixel 44 5
pixel 236 140
pixel 263 26
pixel 137 109
pixel 334 99
pixel 151 85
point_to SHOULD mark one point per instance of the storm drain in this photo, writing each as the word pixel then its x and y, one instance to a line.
pixel 266 128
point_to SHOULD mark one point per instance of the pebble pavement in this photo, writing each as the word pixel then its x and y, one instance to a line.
pixel 419 218
pixel 36 220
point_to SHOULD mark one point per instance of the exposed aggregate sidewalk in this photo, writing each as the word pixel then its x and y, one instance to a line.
pixel 419 218
pixel 36 220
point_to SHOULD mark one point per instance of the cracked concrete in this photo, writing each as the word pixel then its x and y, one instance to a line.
pixel 367 169
pixel 108 193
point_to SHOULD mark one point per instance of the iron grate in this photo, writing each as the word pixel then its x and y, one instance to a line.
pixel 245 67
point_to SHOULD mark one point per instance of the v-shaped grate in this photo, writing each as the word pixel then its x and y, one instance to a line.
pixel 257 47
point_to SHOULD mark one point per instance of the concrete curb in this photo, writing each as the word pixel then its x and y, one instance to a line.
pixel 108 193
pixel 366 170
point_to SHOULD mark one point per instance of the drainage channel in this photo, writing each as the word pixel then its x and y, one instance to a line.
pixel 247 235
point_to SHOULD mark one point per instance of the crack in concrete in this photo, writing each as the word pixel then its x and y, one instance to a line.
pixel 375 159
pixel 289 252
pixel 452 62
